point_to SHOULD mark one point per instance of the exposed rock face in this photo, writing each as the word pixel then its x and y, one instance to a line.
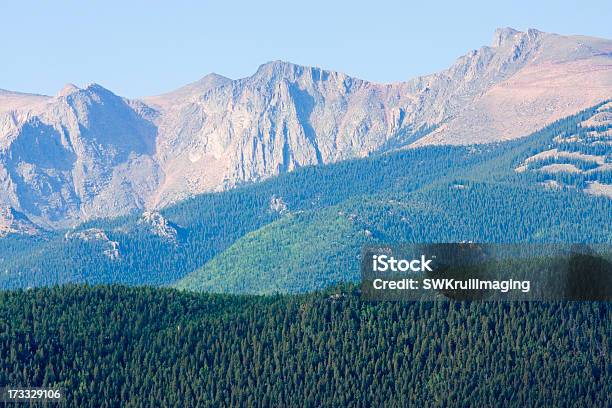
pixel 159 225
pixel 13 101
pixel 536 78
pixel 286 116
pixel 88 153
pixel 283 117
pixel 278 205
pixel 110 248
pixel 14 222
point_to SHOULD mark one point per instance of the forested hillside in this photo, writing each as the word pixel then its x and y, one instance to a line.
pixel 144 347
pixel 427 194
pixel 211 222
pixel 314 249
pixel 487 201
pixel 580 156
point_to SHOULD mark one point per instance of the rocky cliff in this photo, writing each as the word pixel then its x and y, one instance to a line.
pixel 88 153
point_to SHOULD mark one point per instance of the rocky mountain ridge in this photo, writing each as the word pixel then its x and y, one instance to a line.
pixel 88 153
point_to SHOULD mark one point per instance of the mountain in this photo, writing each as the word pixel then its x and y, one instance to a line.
pixel 480 202
pixel 534 79
pixel 302 230
pixel 88 153
pixel 85 153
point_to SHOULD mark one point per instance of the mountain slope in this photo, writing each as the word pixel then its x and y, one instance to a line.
pixel 87 153
pixel 552 76
pixel 447 193
pixel 15 101
pixel 309 251
pixel 489 201
pixel 84 154
pixel 286 116
pixel 149 252
pixel 314 250
pixel 14 222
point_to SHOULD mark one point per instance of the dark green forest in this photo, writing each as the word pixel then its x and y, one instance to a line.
pixel 113 346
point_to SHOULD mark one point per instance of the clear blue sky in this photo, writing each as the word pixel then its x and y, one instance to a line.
pixel 139 48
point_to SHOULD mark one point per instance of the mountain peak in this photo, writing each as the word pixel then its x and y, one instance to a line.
pixel 272 65
pixel 276 64
pixel 213 76
pixel 275 68
pixel 189 91
pixel 508 35
pixel 503 35
pixel 207 82
pixel 97 88
pixel 91 88
pixel 68 89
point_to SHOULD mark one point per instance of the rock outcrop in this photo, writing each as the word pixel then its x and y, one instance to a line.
pixel 158 225
pixel 14 222
pixel 110 248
